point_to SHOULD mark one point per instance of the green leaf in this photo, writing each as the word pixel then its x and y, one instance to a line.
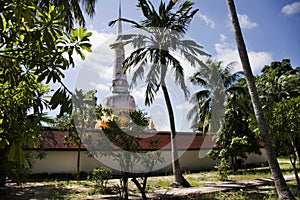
pixel 2 24
pixel 12 152
pixel 3 143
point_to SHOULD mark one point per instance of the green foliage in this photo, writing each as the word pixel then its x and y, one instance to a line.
pixel 236 140
pixel 72 10
pixel 279 91
pixel 223 168
pixel 100 176
pixel 126 136
pixel 215 81
pixel 139 118
pixel 278 81
pixel 284 128
pixel 33 49
pixel 15 170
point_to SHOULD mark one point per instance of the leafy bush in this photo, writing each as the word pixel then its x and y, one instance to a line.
pixel 223 167
pixel 100 176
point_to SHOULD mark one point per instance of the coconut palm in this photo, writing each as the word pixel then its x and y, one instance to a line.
pixel 73 9
pixel 161 35
pixel 280 184
pixel 215 81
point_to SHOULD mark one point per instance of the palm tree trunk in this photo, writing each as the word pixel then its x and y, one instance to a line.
pixel 179 180
pixel 280 184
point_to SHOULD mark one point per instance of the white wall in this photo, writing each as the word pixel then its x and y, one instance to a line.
pixel 66 162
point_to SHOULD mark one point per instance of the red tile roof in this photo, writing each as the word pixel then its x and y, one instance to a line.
pixel 53 139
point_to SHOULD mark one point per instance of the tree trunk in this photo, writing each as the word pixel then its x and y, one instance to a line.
pixel 179 180
pixel 293 160
pixel 78 161
pixel 297 144
pixel 125 186
pixel 142 187
pixel 280 184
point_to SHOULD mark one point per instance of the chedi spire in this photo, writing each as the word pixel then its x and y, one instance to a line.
pixel 120 99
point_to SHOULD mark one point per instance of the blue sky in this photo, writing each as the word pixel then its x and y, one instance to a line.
pixel 271 31
pixel 271 27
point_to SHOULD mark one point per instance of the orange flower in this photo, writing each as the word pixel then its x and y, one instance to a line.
pixel 101 124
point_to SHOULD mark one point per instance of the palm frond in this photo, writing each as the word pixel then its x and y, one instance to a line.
pixel 193 111
pixel 136 57
pixel 200 95
pixel 184 16
pixel 150 93
pixel 138 73
pixel 196 80
pixel 179 74
pixel 170 6
pixel 90 7
pixel 153 76
pixel 135 24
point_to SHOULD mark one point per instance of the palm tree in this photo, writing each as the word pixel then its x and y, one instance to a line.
pixel 216 82
pixel 154 51
pixel 280 184
pixel 72 9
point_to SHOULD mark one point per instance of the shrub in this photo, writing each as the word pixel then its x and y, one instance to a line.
pixel 101 175
pixel 223 167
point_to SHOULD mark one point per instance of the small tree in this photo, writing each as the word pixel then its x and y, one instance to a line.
pixel 100 176
pixel 236 140
pixel 284 129
pixel 82 118
pixel 123 146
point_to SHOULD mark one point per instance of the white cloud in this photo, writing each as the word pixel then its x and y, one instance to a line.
pixel 223 37
pixel 103 87
pixel 98 65
pixel 98 38
pixel 291 9
pixel 184 106
pixel 228 53
pixel 207 20
pixel 159 115
pixel 139 93
pixel 246 22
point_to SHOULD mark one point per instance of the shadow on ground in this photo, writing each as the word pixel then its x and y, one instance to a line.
pixel 34 192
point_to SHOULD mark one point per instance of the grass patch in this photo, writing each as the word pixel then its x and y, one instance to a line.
pixel 69 189
pixel 259 193
pixel 155 183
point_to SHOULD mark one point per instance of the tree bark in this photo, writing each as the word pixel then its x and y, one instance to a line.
pixel 293 160
pixel 280 184
pixel 142 187
pixel 78 161
pixel 179 180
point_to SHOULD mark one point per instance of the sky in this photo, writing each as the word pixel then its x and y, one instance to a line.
pixel 271 31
